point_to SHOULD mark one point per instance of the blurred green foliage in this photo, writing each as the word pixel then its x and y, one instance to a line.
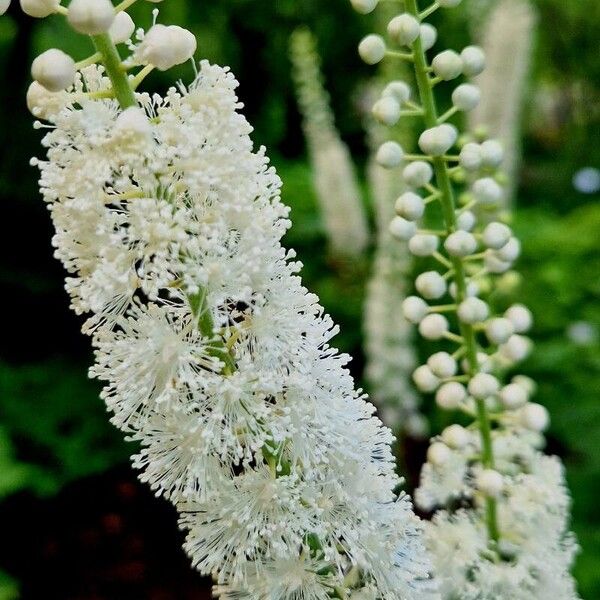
pixel 9 589
pixel 53 427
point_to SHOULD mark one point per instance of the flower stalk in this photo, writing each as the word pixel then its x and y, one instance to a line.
pixel 476 477
pixel 449 208
pixel 109 56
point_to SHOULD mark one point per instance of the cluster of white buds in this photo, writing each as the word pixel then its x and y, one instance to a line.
pixel 496 459
pixel 214 357
pixel 161 47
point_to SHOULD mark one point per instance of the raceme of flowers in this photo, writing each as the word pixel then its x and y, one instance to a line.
pixel 215 358
pixel 334 176
pixel 500 508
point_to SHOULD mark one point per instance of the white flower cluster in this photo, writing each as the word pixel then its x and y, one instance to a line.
pixel 500 529
pixel 334 176
pixel 215 358
pixel 533 514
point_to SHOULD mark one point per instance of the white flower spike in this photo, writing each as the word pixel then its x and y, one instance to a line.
pixel 214 357
pixel 510 539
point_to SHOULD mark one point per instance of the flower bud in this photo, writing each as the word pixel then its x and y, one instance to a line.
pixel 456 436
pixel 490 483
pixel 389 155
pixel 485 362
pixel 535 417
pixel 402 229
pixel 433 327
pixel 410 206
pixel 4 5
pixel 423 244
pixel 404 29
pixel 499 330
pixel 447 65
pixel 437 140
pixel 496 235
pixel 466 220
pixel 516 349
pixel 438 454
pixel 431 285
pixel 428 36
pixel 122 28
pixel 487 191
pixel 387 110
pixel 414 309
pixel 520 317
pixel 510 251
pixel 473 310
pixel 42 103
pixel 364 6
pixel 460 243
pixel 166 46
pixel 526 383
pixel 483 385
pixel 513 396
pixel 466 97
pixel 470 157
pixel 450 395
pixel 372 49
pixel 39 8
pixel 91 17
pixel 425 380
pixel 442 365
pixel 398 90
pixel 494 264
pixel 417 174
pixel 492 153
pixel 54 69
pixel 473 59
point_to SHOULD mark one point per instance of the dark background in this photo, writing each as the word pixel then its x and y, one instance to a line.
pixel 74 522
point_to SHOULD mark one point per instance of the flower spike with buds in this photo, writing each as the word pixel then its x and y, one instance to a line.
pixel 214 356
pixel 486 539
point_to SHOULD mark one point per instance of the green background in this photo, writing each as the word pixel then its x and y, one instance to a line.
pixel 63 470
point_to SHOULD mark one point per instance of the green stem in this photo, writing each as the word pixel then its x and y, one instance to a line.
pixel 114 69
pixel 206 327
pixel 448 203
